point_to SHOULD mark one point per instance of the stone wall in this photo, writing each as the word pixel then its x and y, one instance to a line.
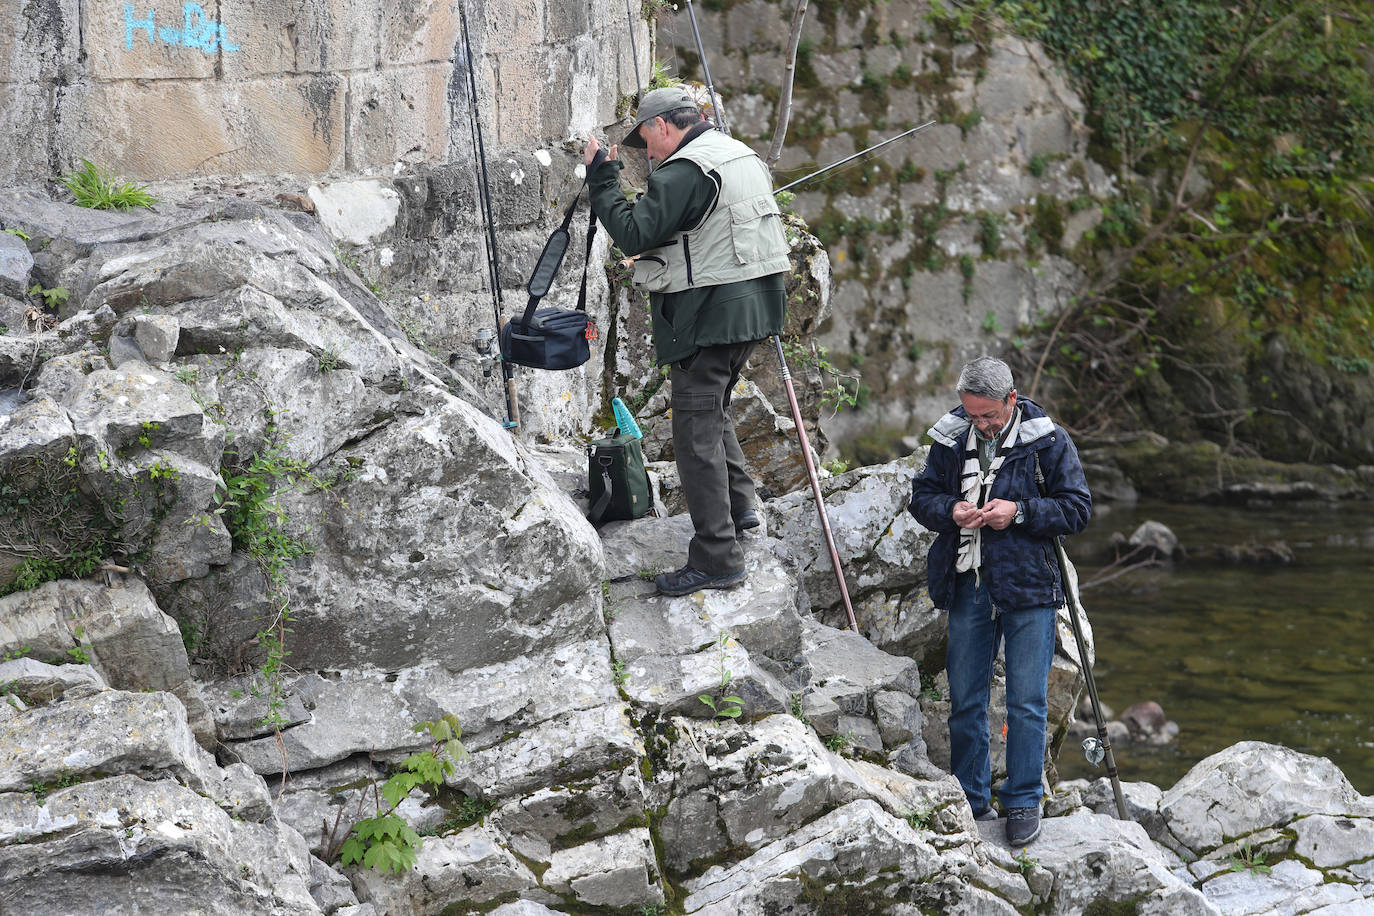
pixel 945 245
pixel 302 88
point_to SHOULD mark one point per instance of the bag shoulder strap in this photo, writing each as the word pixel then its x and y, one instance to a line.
pixel 533 303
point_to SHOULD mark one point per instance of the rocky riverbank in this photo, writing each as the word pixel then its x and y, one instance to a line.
pixel 279 536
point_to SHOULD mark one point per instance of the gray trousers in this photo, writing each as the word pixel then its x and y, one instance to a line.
pixel 709 461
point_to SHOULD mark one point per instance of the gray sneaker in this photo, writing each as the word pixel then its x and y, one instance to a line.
pixel 987 814
pixel 1023 825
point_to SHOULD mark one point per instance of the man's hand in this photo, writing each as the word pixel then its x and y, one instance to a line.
pixel 998 513
pixel 593 146
pixel 967 515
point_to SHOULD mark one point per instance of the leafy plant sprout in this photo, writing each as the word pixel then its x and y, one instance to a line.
pixel 724 707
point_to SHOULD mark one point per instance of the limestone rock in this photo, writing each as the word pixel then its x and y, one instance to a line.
pixel 38 682
pixel 761 615
pixel 137 733
pixel 881 546
pixel 113 839
pixel 858 854
pixel 615 871
pixel 1096 857
pixel 848 671
pixel 1251 786
pixel 564 749
pixel 468 868
pixel 131 644
pixel 15 265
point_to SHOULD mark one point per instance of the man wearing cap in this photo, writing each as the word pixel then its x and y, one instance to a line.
pixel 710 250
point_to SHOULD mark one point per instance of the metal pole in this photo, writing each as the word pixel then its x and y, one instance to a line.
pixel 835 165
pixel 805 444
pixel 706 69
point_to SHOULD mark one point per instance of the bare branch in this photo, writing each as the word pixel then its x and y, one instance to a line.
pixel 789 73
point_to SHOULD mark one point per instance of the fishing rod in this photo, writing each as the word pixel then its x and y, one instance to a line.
pixel 479 152
pixel 706 69
pixel 802 440
pixel 634 50
pixel 835 165
pixel 1095 749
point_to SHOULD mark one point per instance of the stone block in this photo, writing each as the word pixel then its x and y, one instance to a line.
pixel 398 115
pixel 422 32
pixel 464 870
pixel 15 266
pixel 39 682
pixel 156 336
pixel 511 26
pixel 314 36
pixel 840 69
pixel 138 41
pixel 27 124
pixel 108 733
pixel 290 125
pixel 756 25
pixel 569 22
pixel 357 211
pixel 617 871
pixel 532 107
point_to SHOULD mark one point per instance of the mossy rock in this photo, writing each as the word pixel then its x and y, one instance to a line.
pixel 1202 472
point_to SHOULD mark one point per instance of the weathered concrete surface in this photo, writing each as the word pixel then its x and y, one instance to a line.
pixel 303 88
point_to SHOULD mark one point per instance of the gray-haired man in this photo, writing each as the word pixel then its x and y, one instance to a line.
pixel 992 568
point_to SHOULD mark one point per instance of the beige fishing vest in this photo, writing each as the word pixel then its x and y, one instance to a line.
pixel 741 236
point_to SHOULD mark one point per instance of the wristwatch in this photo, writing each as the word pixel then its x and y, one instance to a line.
pixel 1020 514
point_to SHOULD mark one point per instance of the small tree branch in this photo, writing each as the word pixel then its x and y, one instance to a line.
pixel 789 73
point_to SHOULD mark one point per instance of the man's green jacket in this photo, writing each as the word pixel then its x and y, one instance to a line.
pixel 679 195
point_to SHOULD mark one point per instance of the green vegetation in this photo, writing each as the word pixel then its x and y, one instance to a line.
pixel 1246 858
pixel 52 296
pixel 385 841
pixel 258 525
pixel 723 707
pixel 102 191
pixel 1242 136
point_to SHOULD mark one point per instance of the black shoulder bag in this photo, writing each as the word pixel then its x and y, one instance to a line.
pixel 552 338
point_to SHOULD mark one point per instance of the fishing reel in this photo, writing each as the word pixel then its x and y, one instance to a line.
pixel 487 352
pixel 485 345
pixel 1094 751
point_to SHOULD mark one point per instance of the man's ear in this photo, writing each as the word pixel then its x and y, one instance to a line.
pixel 1011 398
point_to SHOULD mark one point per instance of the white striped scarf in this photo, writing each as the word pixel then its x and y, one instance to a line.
pixel 975 486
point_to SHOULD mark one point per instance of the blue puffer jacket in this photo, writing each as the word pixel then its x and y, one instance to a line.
pixel 1019 564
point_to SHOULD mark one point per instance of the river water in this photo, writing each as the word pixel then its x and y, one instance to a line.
pixel 1239 652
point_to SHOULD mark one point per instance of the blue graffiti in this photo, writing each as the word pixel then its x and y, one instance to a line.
pixel 197 31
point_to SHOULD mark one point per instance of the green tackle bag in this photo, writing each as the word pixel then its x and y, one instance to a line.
pixel 617 483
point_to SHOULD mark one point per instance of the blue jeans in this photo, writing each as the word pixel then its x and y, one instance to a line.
pixel 974 634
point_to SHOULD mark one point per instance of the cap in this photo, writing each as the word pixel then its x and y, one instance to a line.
pixel 655 104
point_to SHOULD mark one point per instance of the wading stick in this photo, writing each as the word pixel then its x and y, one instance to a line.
pixel 634 51
pixel 815 482
pixel 706 69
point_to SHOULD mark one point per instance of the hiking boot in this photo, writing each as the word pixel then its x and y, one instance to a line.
pixel 746 520
pixel 1023 825
pixel 686 580
pixel 987 814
